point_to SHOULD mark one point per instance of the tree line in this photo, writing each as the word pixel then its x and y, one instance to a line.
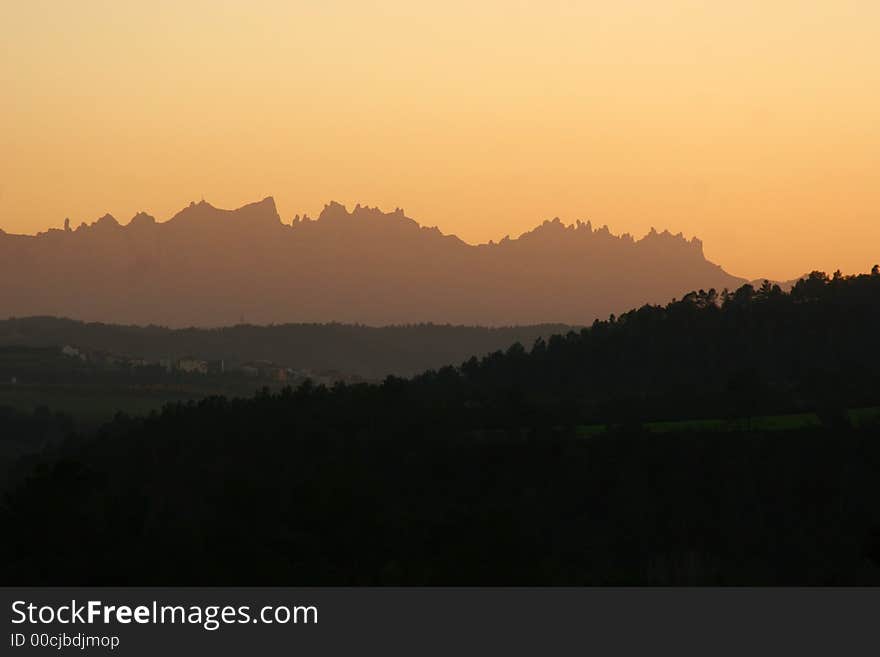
pixel 476 474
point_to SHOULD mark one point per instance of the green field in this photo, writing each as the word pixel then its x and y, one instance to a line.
pixel 857 417
pixel 93 404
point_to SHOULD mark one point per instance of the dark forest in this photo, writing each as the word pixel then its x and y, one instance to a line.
pixel 536 465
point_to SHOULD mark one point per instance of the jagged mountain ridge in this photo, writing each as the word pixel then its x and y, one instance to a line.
pixel 209 267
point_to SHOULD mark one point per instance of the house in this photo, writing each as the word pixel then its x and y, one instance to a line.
pixel 192 365
pixel 73 352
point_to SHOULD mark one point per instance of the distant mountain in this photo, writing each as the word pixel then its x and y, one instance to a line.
pixel 210 267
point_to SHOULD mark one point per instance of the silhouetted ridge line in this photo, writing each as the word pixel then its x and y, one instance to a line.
pixel 363 351
pixel 208 266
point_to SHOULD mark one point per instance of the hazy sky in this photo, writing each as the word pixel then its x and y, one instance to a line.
pixel 752 124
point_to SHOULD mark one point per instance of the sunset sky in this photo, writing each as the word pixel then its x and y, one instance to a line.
pixel 752 124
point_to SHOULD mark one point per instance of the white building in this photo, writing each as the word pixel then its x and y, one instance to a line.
pixel 192 365
pixel 73 352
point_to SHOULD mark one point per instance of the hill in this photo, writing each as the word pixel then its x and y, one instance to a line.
pixel 353 350
pixel 478 474
pixel 211 267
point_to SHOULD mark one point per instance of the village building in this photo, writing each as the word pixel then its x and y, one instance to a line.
pixel 192 365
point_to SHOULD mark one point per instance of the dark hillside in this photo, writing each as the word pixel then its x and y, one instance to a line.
pixel 477 475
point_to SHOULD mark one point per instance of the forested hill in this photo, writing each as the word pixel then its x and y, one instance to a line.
pixel 355 350
pixel 749 348
pixel 476 474
pixel 209 267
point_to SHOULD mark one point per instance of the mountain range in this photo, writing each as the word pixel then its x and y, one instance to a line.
pixel 211 267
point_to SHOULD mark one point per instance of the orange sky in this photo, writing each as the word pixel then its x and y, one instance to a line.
pixel 753 124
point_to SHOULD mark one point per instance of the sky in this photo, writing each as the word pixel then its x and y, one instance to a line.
pixel 751 124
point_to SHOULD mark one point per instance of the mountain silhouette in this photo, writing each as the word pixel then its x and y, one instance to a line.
pixel 210 267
